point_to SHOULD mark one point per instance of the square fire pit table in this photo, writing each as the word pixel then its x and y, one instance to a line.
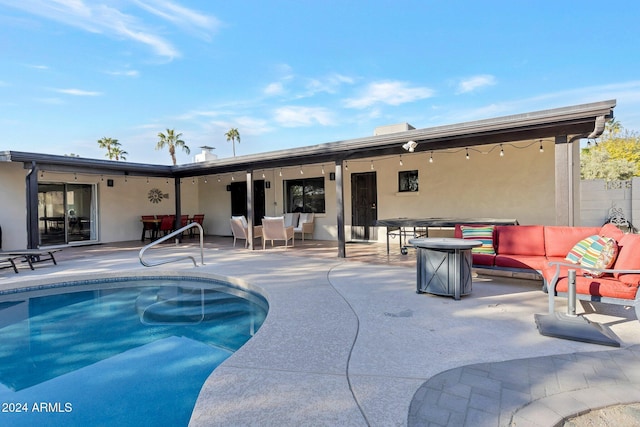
pixel 444 265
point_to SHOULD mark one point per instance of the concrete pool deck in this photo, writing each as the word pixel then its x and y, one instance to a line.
pixel 348 342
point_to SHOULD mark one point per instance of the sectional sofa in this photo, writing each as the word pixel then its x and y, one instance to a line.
pixel 544 250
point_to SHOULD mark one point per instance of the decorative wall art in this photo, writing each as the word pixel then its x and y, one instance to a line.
pixel 156 196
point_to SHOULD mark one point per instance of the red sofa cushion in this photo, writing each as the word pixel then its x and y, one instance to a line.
pixel 628 257
pixel 534 262
pixel 483 259
pixel 558 240
pixel 603 286
pixel 610 230
pixel 520 240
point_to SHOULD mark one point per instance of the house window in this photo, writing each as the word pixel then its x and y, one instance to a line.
pixel 304 195
pixel 407 181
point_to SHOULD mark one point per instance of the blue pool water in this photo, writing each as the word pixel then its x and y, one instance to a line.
pixel 135 352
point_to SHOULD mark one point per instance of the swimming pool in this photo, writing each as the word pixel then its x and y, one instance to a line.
pixel 120 351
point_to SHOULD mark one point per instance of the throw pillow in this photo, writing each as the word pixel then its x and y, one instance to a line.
pixel 482 233
pixel 601 254
pixel 576 253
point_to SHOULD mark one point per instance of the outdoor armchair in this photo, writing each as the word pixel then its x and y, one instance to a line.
pixel 273 228
pixel 305 224
pixel 240 230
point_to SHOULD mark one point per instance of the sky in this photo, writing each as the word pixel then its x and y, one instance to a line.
pixel 298 73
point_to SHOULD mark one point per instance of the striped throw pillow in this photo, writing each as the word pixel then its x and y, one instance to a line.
pixel 577 252
pixel 601 254
pixel 482 233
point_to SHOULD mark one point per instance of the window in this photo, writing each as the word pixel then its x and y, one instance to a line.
pixel 304 195
pixel 407 181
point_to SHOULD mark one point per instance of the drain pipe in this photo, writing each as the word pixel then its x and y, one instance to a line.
pixel 571 291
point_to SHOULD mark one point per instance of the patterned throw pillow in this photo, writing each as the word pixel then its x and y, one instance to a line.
pixel 601 254
pixel 577 252
pixel 482 233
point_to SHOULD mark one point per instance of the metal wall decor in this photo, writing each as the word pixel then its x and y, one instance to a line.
pixel 156 196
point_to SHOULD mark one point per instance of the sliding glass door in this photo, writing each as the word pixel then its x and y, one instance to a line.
pixel 66 213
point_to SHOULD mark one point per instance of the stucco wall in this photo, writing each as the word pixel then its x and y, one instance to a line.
pixel 598 197
pixel 14 207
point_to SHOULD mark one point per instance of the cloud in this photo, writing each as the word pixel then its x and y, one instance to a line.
pixel 475 82
pixel 329 84
pixel 78 92
pixel 126 73
pixel 390 92
pixel 274 89
pixel 103 18
pixel 292 116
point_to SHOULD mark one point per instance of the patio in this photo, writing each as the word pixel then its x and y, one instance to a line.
pixel 349 342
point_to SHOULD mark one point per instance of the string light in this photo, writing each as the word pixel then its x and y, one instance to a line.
pixel 501 151
pixel 233 178
pixel 541 147
pixel 280 171
pixel 101 178
pixel 218 179
pixel 193 180
pixel 346 165
pixel 75 177
pixel 205 179
pixel 431 158
pixel 372 168
pixel 301 172
pixel 147 180
pixel 322 169
pixel 41 174
pixel 263 175
pixel 467 156
pixel 401 164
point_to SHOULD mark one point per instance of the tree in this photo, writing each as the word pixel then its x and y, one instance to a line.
pixel 596 163
pixel 232 135
pixel 108 144
pixel 171 140
pixel 118 153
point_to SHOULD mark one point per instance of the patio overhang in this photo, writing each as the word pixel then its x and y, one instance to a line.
pixel 574 122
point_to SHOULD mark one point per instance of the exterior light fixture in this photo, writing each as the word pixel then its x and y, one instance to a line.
pixel 501 151
pixel 401 164
pixel 233 178
pixel 410 146
pixel 280 171
pixel 431 158
pixel 301 172
pixel 372 168
pixel 467 156
pixel 205 179
pixel 346 165
pixel 541 147
pixel 322 169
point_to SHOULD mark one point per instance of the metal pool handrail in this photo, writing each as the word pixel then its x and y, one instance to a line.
pixel 167 237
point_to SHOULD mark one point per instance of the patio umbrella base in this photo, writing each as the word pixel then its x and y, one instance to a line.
pixel 576 328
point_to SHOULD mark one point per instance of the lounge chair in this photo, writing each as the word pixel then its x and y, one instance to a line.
pixel 240 230
pixel 9 260
pixel 31 256
pixel 273 228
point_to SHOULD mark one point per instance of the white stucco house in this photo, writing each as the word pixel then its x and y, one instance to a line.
pixel 523 166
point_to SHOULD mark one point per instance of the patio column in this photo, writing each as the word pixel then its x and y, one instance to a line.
pixel 567 169
pixel 33 234
pixel 342 251
pixel 177 223
pixel 250 209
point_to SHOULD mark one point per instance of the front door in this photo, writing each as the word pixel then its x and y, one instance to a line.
pixel 364 201
pixel 239 200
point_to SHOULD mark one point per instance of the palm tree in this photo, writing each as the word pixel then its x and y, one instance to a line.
pixel 118 153
pixel 171 140
pixel 108 144
pixel 232 135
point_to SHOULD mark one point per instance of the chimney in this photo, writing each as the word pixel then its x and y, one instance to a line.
pixel 206 155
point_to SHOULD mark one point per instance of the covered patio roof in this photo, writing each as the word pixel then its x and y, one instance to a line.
pixel 583 121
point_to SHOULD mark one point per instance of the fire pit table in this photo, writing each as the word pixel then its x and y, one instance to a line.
pixel 444 265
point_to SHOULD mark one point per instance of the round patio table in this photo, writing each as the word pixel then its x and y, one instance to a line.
pixel 444 265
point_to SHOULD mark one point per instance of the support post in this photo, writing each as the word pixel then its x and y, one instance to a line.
pixel 250 210
pixel 342 251
pixel 571 294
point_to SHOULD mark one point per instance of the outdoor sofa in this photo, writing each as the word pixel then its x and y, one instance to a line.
pixel 550 251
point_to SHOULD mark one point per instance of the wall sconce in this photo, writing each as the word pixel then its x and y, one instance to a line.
pixel 410 146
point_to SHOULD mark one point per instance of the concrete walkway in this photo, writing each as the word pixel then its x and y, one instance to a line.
pixel 351 344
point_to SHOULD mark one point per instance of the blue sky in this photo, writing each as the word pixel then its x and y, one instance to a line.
pixel 292 73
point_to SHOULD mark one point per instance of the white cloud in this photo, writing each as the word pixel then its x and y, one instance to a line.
pixel 303 116
pixel 104 18
pixel 126 73
pixel 472 83
pixel 391 93
pixel 329 84
pixel 78 92
pixel 274 89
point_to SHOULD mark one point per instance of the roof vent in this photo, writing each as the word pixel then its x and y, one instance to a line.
pixel 384 130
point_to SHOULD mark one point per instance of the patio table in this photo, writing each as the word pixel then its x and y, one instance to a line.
pixel 443 265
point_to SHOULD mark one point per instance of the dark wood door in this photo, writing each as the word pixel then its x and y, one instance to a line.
pixel 239 200
pixel 364 206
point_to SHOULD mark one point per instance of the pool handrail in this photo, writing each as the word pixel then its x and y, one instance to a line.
pixel 167 237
